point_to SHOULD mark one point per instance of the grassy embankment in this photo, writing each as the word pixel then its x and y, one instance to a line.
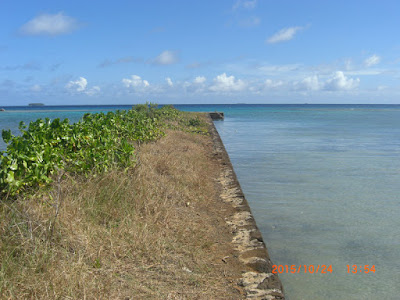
pixel 116 206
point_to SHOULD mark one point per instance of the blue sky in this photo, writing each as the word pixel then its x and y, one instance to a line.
pixel 226 51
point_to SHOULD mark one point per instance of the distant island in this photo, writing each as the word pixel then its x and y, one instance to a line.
pixel 36 104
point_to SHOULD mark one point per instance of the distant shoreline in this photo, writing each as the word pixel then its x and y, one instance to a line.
pixel 203 104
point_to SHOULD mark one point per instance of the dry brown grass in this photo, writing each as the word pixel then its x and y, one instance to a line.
pixel 154 232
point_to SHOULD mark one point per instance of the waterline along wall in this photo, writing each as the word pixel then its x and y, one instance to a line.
pixel 257 280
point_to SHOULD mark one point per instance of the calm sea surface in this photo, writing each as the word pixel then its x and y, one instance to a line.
pixel 323 182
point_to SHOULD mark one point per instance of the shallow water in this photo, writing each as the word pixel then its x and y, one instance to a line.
pixel 322 182
pixel 323 185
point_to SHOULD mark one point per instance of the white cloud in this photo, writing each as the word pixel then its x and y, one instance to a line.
pixel 36 88
pixel 223 83
pixel 198 85
pixel 340 82
pixel 47 24
pixel 310 83
pixel 166 58
pixel 284 34
pixel 93 91
pixel 336 82
pixel 271 84
pixel 372 60
pixel 135 82
pixel 199 80
pixel 247 4
pixel 78 85
pixel 169 81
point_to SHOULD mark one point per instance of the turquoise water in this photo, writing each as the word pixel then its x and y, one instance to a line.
pixel 323 182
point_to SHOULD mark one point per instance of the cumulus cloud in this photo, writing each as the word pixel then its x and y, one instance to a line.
pixel 48 24
pixel 272 84
pixel 169 81
pixel 336 82
pixel 199 80
pixel 135 82
pixel 197 85
pixel 310 83
pixel 284 35
pixel 340 82
pixel 78 85
pixel 166 58
pixel 372 60
pixel 246 4
pixel 223 83
pixel 93 91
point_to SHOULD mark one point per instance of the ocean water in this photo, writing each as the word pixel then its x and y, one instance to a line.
pixel 323 182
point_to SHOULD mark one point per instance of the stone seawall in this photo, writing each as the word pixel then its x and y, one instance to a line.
pixel 217 115
pixel 258 281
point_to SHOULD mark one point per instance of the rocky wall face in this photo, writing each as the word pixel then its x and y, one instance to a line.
pixel 258 281
pixel 217 115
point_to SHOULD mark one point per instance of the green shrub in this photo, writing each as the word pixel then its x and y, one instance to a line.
pixel 95 144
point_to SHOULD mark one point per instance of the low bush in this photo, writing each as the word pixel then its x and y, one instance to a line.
pixel 95 144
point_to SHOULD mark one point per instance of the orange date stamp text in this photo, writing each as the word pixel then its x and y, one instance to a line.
pixel 312 269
